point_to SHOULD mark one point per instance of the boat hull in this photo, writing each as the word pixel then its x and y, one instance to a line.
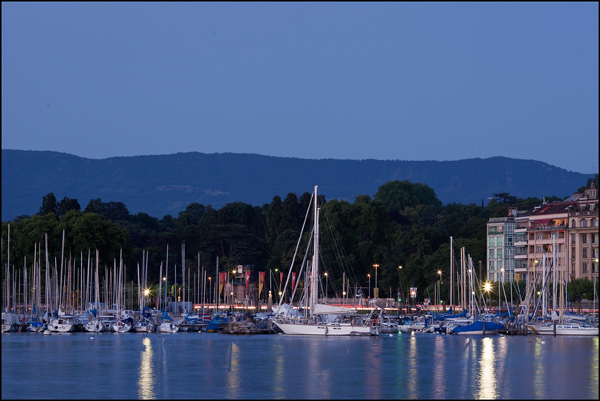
pixel 325 329
pixel 478 328
pixel 565 330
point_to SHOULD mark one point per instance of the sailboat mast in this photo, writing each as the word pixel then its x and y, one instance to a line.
pixel 451 272
pixel 315 263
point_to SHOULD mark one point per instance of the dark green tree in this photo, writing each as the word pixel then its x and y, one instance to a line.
pixel 49 205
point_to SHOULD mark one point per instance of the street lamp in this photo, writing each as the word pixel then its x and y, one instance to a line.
pixel 326 280
pixel 399 283
pixel 209 288
pixel 502 281
pixel 369 276
pixel 439 272
pixel 376 289
pixel 165 296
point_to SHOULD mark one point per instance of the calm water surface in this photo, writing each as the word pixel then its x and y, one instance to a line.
pixel 208 365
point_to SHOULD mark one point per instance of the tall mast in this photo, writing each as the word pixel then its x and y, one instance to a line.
pixel 315 264
pixel 451 272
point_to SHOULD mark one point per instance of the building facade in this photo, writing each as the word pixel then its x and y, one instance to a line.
pixel 556 235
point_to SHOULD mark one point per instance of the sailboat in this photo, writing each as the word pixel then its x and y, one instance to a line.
pixel 94 324
pixel 166 325
pixel 561 323
pixel 476 323
pixel 319 319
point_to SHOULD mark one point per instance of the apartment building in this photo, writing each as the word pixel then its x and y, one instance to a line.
pixel 562 235
pixel 583 235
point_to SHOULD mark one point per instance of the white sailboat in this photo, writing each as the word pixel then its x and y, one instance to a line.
pixel 320 320
pixel 559 324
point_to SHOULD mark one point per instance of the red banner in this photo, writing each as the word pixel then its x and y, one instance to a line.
pixel 261 282
pixel 293 281
pixel 222 281
pixel 247 279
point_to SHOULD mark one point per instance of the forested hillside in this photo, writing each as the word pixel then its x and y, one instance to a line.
pixel 167 184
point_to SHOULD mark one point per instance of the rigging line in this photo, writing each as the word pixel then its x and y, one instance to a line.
pixel 339 252
pixel 297 245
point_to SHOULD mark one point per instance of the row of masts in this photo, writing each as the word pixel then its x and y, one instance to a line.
pixel 74 287
pixel 541 286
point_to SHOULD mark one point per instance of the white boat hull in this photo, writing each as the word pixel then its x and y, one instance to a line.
pixel 168 327
pixel 565 330
pixel 121 327
pixel 144 327
pixel 326 329
pixel 94 326
pixel 60 326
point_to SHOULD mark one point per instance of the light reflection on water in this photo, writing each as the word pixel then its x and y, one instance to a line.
pixel 146 372
pixel 439 373
pixel 205 365
pixel 487 373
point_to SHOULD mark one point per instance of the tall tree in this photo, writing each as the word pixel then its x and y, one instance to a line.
pixel 49 205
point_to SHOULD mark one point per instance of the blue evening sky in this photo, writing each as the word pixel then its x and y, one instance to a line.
pixel 356 80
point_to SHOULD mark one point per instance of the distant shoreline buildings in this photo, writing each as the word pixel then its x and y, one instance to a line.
pixel 560 234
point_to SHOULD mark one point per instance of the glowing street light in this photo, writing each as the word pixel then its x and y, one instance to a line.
pixel 399 284
pixel 487 287
pixel 369 276
pixel 376 289
pixel 439 272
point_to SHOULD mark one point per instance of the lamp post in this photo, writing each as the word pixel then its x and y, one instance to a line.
pixel 326 280
pixel 501 281
pixel 439 272
pixel 233 271
pixel 376 289
pixel 209 288
pixel 165 296
pixel 369 276
pixel 399 283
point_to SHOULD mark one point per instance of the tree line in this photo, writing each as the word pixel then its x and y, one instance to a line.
pixel 403 224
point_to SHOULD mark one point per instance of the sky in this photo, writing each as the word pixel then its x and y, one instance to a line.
pixel 312 80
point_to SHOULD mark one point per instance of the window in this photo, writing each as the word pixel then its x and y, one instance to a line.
pixel 499 241
pixel 573 223
pixel 491 241
pixel 584 267
pixel 539 249
pixel 573 238
pixel 583 223
pixel 499 265
pixel 573 253
pixel 585 253
pixel 491 265
pixel 584 238
pixel 509 241
pixel 491 254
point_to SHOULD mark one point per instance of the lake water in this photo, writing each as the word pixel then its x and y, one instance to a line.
pixel 210 365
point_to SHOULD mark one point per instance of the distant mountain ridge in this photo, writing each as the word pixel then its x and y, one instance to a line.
pixel 166 184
